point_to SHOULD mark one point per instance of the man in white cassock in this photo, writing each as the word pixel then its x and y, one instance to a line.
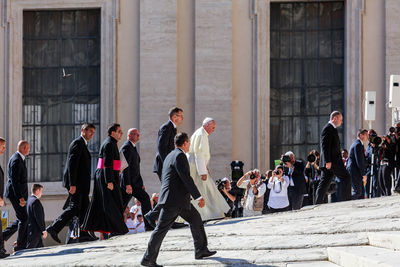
pixel 199 157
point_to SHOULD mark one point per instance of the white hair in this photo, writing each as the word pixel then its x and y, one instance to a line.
pixel 289 153
pixel 207 121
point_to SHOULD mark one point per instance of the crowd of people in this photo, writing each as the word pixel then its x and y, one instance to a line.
pixel 116 180
pixel 370 168
pixel 187 188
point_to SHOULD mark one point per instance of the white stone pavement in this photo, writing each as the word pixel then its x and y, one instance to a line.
pixel 269 240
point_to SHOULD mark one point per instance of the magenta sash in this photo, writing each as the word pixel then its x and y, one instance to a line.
pixel 116 164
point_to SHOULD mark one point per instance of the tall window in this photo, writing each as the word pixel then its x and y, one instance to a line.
pixel 61 86
pixel 307 80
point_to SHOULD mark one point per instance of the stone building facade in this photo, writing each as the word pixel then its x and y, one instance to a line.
pixel 131 60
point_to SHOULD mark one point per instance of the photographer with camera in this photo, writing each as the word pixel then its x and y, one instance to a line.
pixel 297 180
pixel 253 200
pixel 224 187
pixel 278 196
pixel 372 156
pixel 313 174
pixel 396 141
pixel 387 155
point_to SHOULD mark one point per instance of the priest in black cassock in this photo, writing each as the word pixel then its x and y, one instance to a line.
pixel 105 213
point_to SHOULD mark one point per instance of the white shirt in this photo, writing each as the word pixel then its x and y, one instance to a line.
pixel 139 211
pixel 84 140
pixel 131 226
pixel 140 227
pixel 332 124
pixel 173 124
pixel 22 156
pixel 278 196
pixel 133 144
pixel 250 196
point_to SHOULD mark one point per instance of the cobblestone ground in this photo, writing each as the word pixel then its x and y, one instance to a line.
pixel 268 240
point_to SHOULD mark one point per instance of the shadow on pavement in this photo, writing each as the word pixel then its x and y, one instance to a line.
pixel 20 255
pixel 226 222
pixel 234 262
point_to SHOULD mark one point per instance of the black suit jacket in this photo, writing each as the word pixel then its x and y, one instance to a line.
pixel 298 178
pixel 1 182
pixel 165 144
pixel 176 183
pixel 131 174
pixel 17 178
pixel 78 167
pixel 36 224
pixel 356 163
pixel 330 146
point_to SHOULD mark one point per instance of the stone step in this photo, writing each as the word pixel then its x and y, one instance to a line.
pixel 363 256
pixel 312 264
pixel 389 240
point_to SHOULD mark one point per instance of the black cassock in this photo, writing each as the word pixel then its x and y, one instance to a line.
pixel 105 213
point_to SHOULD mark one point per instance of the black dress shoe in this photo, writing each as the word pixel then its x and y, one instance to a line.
pixel 150 220
pixel 53 234
pixel 4 255
pixel 204 254
pixel 148 263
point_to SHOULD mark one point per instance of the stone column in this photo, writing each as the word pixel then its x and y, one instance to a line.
pixel 373 43
pixel 128 79
pixel 392 52
pixel 186 63
pixel 242 89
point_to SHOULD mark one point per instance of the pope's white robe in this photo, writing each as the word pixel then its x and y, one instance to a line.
pixel 199 157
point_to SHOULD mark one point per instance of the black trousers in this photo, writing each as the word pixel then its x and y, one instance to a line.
pixel 326 179
pixel 357 185
pixel 2 250
pixel 76 205
pixel 34 241
pixel 140 195
pixel 167 217
pixel 295 199
pixel 385 180
pixel 20 225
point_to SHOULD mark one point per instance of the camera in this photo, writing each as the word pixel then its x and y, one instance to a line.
pixel 252 176
pixel 375 139
pixel 276 172
pixel 311 158
pixel 237 170
pixel 220 184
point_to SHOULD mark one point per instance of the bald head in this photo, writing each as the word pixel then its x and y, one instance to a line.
pixel 23 147
pixel 133 135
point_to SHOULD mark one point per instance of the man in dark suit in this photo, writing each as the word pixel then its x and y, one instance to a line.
pixel 165 138
pixel 176 188
pixel 357 165
pixel 36 225
pixel 17 193
pixel 331 163
pixel 165 144
pixel 297 187
pixel 3 253
pixel 76 180
pixel 131 180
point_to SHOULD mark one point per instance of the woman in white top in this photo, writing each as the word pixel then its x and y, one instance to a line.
pixel 278 196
